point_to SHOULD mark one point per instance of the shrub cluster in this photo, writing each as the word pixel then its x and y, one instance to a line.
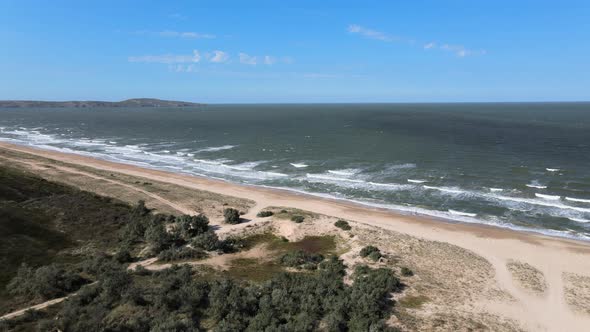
pixel 45 282
pixel 373 253
pixel 298 219
pixel 231 216
pixel 300 259
pixel 264 214
pixel 343 224
pixel 176 299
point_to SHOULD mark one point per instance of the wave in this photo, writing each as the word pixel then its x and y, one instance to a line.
pixel 354 183
pixel 552 169
pixel 416 181
pixel 298 165
pixel 496 189
pixel 536 186
pixel 344 172
pixel 459 213
pixel 579 220
pixel 578 200
pixel 550 197
pixel 216 148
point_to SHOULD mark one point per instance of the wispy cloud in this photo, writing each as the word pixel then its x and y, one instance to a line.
pixel 459 50
pixel 167 58
pixel 371 34
pixel 185 34
pixel 216 56
pixel 248 59
pixel 176 34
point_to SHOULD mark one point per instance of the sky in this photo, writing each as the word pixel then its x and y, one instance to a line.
pixel 296 51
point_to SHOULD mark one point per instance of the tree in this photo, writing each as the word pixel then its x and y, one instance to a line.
pixel 231 216
pixel 206 241
pixel 190 226
pixel 298 219
pixel 157 237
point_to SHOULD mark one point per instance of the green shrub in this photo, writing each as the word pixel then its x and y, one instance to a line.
pixel 231 216
pixel 374 256
pixel 371 252
pixel 191 226
pixel 406 272
pixel 300 258
pixel 298 219
pixel 206 241
pixel 264 214
pixel 343 224
pixel 46 282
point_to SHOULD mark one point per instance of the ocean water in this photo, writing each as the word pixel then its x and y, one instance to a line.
pixel 524 166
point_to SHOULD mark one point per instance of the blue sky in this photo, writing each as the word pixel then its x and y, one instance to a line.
pixel 296 51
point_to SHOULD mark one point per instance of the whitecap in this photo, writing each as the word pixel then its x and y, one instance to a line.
pixel 496 189
pixel 416 181
pixel 550 197
pixel 579 200
pixel 216 148
pixel 344 172
pixel 298 165
pixel 460 213
pixel 537 186
pixel 448 190
pixel 579 220
pixel 552 169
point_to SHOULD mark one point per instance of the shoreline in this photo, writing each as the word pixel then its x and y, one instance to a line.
pixel 554 257
pixel 481 228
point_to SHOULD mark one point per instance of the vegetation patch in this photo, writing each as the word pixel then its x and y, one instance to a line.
pixel 413 302
pixel 343 225
pixel 371 252
pixel 231 216
pixel 264 214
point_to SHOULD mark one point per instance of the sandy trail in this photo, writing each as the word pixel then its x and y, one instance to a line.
pixel 552 256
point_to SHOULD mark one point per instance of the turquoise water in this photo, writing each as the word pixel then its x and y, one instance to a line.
pixel 523 166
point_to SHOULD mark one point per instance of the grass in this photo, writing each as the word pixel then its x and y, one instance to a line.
pixel 253 269
pixel 258 270
pixel 413 302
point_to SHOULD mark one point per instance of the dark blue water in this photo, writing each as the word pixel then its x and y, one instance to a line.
pixel 524 166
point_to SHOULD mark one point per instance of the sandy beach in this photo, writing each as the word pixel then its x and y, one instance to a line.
pixel 536 282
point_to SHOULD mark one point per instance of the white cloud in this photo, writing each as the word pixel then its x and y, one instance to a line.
pixel 371 34
pixel 219 56
pixel 247 59
pixel 269 60
pixel 429 46
pixel 459 50
pixel 167 58
pixel 187 34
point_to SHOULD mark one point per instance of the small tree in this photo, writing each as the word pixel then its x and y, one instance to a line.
pixel 372 252
pixel 206 241
pixel 298 219
pixel 231 216
pixel 343 224
pixel 264 214
pixel 191 226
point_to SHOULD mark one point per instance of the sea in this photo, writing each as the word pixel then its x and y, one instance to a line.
pixel 524 166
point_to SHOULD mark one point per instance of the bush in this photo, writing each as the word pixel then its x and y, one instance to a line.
pixel 374 256
pixel 343 224
pixel 407 272
pixel 231 216
pixel 301 259
pixel 175 254
pixel 46 282
pixel 191 226
pixel 298 219
pixel 371 252
pixel 206 241
pixel 123 255
pixel 264 214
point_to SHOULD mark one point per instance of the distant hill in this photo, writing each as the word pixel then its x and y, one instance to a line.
pixel 137 102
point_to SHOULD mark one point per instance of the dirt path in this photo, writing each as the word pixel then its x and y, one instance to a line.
pixel 175 206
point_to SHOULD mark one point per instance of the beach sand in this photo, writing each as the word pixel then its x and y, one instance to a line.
pixel 468 276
